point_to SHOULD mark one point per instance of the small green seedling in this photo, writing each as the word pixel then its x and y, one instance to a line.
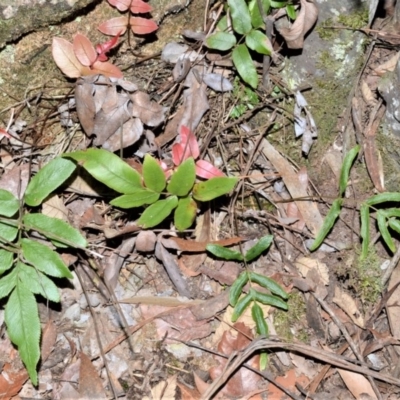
pixel 241 302
pixel 386 218
pixel 27 265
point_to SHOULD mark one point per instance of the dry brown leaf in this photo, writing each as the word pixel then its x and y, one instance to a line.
pixel 367 94
pixel 393 304
pixel 188 393
pixel 349 306
pixel 357 384
pixel 307 264
pixel 16 180
pixel 149 112
pixel 374 163
pixel 165 390
pixel 90 384
pixel 49 337
pixel 289 381
pixel 11 381
pixel 192 246
pixel 308 209
pixel 146 241
pixel 388 66
pixel 294 36
pixel 54 207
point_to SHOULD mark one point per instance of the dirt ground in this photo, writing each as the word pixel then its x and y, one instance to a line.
pixel 147 314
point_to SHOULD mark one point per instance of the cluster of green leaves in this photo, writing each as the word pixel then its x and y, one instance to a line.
pixel 247 23
pixel 239 301
pixel 151 188
pixel 27 264
pixel 246 97
pixel 386 217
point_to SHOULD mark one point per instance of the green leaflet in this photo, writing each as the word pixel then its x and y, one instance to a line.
pixel 23 327
pixel 49 178
pixel 269 284
pixel 259 42
pixel 153 174
pixel 185 213
pixel 213 188
pixel 9 204
pixel 8 283
pixel 8 232
pixel 44 259
pixel 261 245
pixel 345 170
pixel 244 64
pixel 256 17
pixel 291 11
pixel 139 197
pixel 240 15
pixel 328 223
pixel 38 283
pixel 55 229
pixel 258 317
pixel 365 229
pixel 183 178
pixel 383 229
pixel 394 224
pixel 224 253
pixel 108 168
pixel 382 198
pixel 221 41
pixel 241 306
pixel 267 299
pixel 157 212
pixel 6 260
pixel 236 289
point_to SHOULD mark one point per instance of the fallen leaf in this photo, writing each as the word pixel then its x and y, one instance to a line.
pixel 357 384
pixel 165 390
pixel 307 264
pixel 90 384
pixel 193 246
pixel 54 207
pixel 348 305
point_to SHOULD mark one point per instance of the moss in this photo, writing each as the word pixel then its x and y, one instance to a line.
pixel 365 278
pixel 355 20
pixel 289 324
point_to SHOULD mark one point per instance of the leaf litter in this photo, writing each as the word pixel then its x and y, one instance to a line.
pixel 143 279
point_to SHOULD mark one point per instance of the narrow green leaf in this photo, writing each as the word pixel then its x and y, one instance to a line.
pixel 138 198
pixel 108 168
pixel 224 252
pixel 44 259
pixel 213 188
pixel 157 212
pixel 263 360
pixel 240 15
pixel 38 283
pixel 291 12
pixel 48 179
pixel 267 299
pixel 244 64
pixel 261 245
pixel 241 306
pixel 328 223
pixel 23 327
pixel 8 283
pixel 8 232
pixel 383 197
pixel 258 317
pixel 278 4
pixel 55 229
pixel 259 42
pixel 394 224
pixel 383 229
pixel 9 204
pixel 153 174
pixel 182 180
pixel 237 287
pixel 6 260
pixel 345 170
pixel 391 212
pixel 365 229
pixel 185 213
pixel 269 284
pixel 222 41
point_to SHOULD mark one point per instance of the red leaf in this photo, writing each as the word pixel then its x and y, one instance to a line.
pixel 206 170
pixel 65 58
pixel 114 26
pixel 142 26
pixel 189 143
pixel 106 68
pixel 177 154
pixel 5 133
pixel 121 5
pixel 84 50
pixel 139 6
pixel 103 48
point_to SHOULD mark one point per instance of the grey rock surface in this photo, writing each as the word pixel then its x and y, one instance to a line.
pixel 19 17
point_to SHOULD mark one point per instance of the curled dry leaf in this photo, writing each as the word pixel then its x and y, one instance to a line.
pixel 294 36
